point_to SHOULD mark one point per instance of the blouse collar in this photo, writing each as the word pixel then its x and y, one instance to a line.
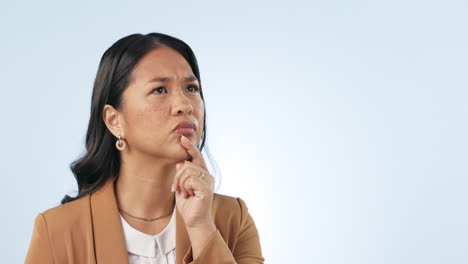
pixel 142 244
pixel 107 229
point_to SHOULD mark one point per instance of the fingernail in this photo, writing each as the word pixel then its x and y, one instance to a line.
pixel 184 137
pixel 177 166
pixel 172 188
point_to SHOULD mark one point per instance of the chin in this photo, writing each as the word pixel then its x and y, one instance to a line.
pixel 181 154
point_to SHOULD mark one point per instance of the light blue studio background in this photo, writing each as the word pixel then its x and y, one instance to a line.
pixel 342 124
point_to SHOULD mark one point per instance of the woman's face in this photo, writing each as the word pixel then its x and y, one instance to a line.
pixel 163 91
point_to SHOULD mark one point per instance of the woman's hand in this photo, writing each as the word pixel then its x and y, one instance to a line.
pixel 194 195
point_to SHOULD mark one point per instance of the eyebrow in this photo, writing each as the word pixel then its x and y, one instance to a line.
pixel 166 79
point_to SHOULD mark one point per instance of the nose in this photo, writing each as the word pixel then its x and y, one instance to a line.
pixel 181 105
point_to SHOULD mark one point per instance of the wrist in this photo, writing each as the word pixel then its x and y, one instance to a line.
pixel 200 224
pixel 201 228
pixel 199 236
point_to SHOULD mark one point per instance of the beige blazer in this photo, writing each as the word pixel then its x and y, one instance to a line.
pixel 89 230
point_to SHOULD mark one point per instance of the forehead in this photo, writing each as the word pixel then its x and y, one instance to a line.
pixel 162 61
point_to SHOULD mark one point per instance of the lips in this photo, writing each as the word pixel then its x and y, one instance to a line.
pixel 185 124
pixel 185 128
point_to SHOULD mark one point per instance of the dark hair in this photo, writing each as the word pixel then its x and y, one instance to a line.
pixel 101 159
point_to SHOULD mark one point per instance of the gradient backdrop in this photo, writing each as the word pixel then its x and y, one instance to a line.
pixel 342 124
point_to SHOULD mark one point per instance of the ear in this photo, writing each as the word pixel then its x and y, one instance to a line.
pixel 113 120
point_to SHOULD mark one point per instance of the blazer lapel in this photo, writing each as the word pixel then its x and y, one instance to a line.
pixel 109 240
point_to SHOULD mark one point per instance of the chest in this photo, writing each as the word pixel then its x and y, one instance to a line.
pixel 150 228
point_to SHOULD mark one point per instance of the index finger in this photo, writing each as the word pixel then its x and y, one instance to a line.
pixel 197 157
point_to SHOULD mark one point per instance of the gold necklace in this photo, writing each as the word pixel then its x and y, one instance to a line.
pixel 145 219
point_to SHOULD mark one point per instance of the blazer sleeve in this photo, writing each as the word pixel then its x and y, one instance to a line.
pixel 39 248
pixel 246 251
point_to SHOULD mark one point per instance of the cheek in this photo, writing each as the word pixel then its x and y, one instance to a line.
pixel 200 116
pixel 200 108
pixel 144 119
pixel 151 117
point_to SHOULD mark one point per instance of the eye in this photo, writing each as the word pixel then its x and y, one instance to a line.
pixel 195 88
pixel 159 89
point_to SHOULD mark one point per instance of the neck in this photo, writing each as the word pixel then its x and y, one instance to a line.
pixel 144 187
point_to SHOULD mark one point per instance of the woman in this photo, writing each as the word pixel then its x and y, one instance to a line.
pixel 144 192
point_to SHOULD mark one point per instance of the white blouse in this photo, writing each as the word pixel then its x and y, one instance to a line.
pixel 146 249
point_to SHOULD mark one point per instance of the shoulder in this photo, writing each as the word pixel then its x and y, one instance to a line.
pixel 69 209
pixel 60 228
pixel 229 210
pixel 63 218
pixel 226 203
pixel 232 219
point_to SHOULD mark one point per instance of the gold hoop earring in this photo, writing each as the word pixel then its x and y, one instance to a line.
pixel 120 144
